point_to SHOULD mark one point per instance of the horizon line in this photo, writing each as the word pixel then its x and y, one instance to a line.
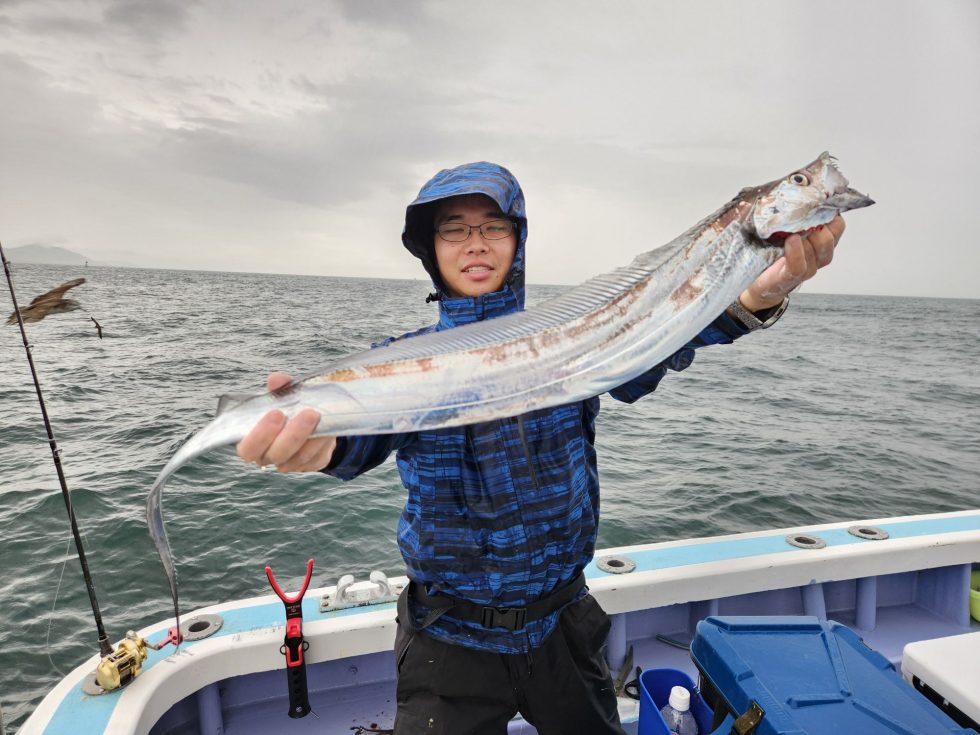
pixel 97 264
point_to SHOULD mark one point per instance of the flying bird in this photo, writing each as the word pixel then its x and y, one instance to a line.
pixel 52 302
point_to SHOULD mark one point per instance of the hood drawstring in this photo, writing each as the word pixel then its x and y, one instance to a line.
pixel 434 296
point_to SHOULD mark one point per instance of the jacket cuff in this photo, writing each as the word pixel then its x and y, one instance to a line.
pixel 727 328
pixel 339 452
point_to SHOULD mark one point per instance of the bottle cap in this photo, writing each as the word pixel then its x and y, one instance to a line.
pixel 680 699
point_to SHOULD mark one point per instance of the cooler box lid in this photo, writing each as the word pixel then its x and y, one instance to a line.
pixel 810 678
pixel 950 667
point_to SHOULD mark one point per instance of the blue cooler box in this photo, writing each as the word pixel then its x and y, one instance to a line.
pixel 780 675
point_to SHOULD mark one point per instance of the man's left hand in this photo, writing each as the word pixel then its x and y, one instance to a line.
pixel 802 258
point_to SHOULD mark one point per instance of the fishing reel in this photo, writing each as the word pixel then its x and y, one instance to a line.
pixel 120 667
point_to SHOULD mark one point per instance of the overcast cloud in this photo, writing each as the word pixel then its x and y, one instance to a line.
pixel 289 136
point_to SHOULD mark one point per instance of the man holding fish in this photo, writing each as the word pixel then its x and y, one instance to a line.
pixel 501 516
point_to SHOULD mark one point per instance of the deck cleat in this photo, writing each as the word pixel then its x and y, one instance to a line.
pixel 350 593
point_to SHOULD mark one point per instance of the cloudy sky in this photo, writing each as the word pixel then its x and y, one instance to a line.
pixel 289 136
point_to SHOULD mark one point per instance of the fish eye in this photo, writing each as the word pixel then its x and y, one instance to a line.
pixel 800 179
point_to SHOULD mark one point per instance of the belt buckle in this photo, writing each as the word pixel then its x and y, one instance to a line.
pixel 512 618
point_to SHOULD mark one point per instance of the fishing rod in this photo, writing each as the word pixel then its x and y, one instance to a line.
pixel 104 647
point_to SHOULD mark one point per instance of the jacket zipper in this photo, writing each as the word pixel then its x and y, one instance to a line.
pixel 537 487
pixel 527 453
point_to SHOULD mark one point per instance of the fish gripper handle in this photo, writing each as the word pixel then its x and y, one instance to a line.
pixel 293 646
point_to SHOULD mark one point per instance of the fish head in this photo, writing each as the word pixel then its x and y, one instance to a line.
pixel 801 201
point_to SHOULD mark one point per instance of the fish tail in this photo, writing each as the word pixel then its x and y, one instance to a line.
pixel 158 533
pixel 213 436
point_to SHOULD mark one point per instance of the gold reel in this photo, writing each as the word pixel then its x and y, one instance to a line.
pixel 124 664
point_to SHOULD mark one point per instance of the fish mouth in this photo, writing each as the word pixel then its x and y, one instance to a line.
pixel 848 199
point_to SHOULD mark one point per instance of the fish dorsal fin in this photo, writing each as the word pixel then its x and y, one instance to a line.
pixel 230 400
pixel 573 304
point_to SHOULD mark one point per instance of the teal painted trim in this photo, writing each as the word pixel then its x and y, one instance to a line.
pixel 740 548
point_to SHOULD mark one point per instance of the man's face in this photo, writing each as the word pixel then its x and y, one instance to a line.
pixel 477 265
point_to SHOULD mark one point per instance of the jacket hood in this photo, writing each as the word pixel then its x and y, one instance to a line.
pixel 485 178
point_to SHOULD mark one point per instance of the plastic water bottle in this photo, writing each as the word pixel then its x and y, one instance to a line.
pixel 677 713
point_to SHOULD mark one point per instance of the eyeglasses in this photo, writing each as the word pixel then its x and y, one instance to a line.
pixel 495 229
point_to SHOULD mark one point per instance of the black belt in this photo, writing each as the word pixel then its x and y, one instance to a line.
pixel 511 618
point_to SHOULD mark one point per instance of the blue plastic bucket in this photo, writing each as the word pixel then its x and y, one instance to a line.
pixel 655 686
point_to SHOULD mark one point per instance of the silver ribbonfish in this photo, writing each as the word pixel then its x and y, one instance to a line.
pixel 591 339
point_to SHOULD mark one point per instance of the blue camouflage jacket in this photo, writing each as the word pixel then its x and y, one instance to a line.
pixel 505 512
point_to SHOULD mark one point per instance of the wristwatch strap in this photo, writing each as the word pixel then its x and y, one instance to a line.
pixel 751 321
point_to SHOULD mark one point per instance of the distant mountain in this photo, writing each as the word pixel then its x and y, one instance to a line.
pixel 45 254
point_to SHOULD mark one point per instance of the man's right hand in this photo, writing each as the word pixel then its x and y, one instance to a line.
pixel 287 444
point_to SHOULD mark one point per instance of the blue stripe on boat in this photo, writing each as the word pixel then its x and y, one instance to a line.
pixel 710 551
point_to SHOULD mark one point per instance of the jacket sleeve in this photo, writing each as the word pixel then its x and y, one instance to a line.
pixel 723 330
pixel 355 455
